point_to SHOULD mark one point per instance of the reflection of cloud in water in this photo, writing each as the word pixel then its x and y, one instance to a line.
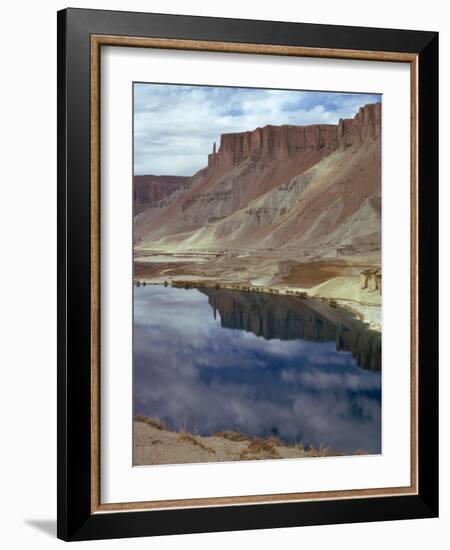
pixel 195 375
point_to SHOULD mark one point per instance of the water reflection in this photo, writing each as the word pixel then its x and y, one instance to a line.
pixel 288 318
pixel 210 360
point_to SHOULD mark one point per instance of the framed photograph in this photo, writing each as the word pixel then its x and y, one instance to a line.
pixel 247 274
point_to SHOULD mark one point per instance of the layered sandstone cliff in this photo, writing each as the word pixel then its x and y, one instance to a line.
pixel 148 189
pixel 274 143
pixel 283 142
pixel 302 192
pixel 366 125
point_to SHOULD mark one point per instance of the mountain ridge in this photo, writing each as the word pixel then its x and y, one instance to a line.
pixel 284 186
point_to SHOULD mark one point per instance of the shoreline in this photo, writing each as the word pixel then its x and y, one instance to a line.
pixel 368 313
pixel 154 443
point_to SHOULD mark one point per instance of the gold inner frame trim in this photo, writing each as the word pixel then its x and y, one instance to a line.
pixel 97 41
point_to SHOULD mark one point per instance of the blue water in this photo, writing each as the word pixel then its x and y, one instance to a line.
pixel 212 360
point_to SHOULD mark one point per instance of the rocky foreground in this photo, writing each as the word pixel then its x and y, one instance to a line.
pixel 153 444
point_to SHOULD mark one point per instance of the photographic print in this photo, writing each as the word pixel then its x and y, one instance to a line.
pixel 247 267
pixel 256 274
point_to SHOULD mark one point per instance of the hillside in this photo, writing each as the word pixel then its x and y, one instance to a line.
pixel 274 198
pixel 310 187
pixel 149 190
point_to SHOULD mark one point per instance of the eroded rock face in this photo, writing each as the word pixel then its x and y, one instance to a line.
pixel 283 142
pixel 371 280
pixel 148 190
pixel 272 142
pixel 313 191
pixel 364 126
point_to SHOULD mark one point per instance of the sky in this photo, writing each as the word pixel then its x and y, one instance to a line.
pixel 175 126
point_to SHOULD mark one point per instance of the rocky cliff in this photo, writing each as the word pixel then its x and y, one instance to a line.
pixel 147 190
pixel 366 125
pixel 303 192
pixel 274 143
pixel 283 142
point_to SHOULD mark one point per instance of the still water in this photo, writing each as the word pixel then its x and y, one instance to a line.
pixel 208 360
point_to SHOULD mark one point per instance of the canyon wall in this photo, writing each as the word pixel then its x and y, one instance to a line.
pixel 298 192
pixel 148 190
pixel 272 142
pixel 364 126
pixel 283 142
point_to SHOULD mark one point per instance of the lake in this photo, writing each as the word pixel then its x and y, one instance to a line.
pixel 208 360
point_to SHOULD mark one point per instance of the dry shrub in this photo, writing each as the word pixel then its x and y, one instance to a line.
pixel 189 438
pixel 231 435
pixel 153 422
pixel 259 448
pixel 323 451
pixel 275 441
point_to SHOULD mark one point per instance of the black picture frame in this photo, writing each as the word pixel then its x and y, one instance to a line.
pixel 75 518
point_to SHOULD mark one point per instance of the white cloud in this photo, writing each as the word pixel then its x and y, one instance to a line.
pixel 175 126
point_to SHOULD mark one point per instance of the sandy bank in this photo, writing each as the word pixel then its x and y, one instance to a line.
pixel 153 444
pixel 354 283
pixel 364 303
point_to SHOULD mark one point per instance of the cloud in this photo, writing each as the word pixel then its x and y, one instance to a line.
pixel 175 126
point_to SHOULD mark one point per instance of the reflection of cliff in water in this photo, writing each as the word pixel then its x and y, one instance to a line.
pixel 291 318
